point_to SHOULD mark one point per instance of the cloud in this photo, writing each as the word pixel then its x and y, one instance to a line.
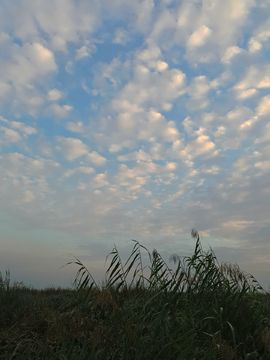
pixel 5 90
pixel 135 156
pixel 24 70
pixel 27 130
pixel 198 91
pixel 71 148
pixel 100 180
pixel 27 171
pixel 206 31
pixel 264 106
pixel 96 159
pixel 61 24
pixel 28 196
pixel 77 127
pixel 265 136
pixel 115 148
pixel 201 147
pixel 142 170
pixel 13 129
pixel 144 89
pixel 134 125
pixel 230 53
pixel 254 77
pixel 55 95
pixel 110 76
pixel 121 36
pixel 222 80
pixel 260 36
pixel 78 170
pixel 199 37
pixel 83 52
pixel 59 111
pixel 237 225
pixel 68 67
pixel 264 166
pixel 254 45
pixel 11 135
pixel 247 94
pixel 30 61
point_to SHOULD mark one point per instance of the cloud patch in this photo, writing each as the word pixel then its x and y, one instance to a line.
pixel 71 148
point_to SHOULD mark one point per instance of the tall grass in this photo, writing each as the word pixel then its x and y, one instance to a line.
pixel 202 310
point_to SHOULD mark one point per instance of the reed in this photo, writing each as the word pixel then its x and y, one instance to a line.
pixel 201 310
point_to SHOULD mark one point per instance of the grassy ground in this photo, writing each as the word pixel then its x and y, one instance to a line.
pixel 202 310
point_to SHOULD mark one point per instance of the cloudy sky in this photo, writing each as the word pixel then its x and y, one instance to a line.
pixel 133 119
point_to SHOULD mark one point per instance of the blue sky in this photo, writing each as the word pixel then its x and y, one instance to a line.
pixel 136 119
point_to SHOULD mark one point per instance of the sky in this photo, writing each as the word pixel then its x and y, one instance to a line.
pixel 133 119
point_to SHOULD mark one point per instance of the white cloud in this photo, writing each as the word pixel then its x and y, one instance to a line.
pixel 11 135
pixel 255 77
pixel 135 156
pixel 60 22
pixel 161 66
pixel 221 80
pixel 78 170
pixel 27 130
pixel 264 106
pixel 241 166
pixel 28 172
pixel 145 88
pixel 77 127
pixel 28 196
pixel 82 52
pixel 156 204
pixel 140 174
pixel 5 89
pixel 237 225
pixel 59 111
pixel 68 67
pixel 206 30
pixel 199 37
pixel 40 166
pixel 23 71
pixel 150 54
pixel 260 36
pixel 29 62
pixel 264 166
pixel 189 125
pixel 265 134
pixel 198 92
pixel 254 45
pixel 230 53
pixel 201 147
pixel 121 36
pixel 96 159
pixel 264 83
pixel 115 148
pixel 238 116
pixel 55 95
pixel 72 148
pixel 100 180
pixel 247 94
pixel 157 126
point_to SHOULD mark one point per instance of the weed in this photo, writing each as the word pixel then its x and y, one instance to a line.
pixel 202 310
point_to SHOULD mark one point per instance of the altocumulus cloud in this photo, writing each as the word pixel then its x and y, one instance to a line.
pixel 143 131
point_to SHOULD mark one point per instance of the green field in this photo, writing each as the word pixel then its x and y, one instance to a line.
pixel 202 310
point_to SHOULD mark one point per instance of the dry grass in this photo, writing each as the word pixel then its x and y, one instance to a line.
pixel 202 310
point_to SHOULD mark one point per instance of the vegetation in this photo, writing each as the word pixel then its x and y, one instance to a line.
pixel 202 310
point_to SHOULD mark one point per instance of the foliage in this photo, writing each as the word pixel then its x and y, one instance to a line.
pixel 202 310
